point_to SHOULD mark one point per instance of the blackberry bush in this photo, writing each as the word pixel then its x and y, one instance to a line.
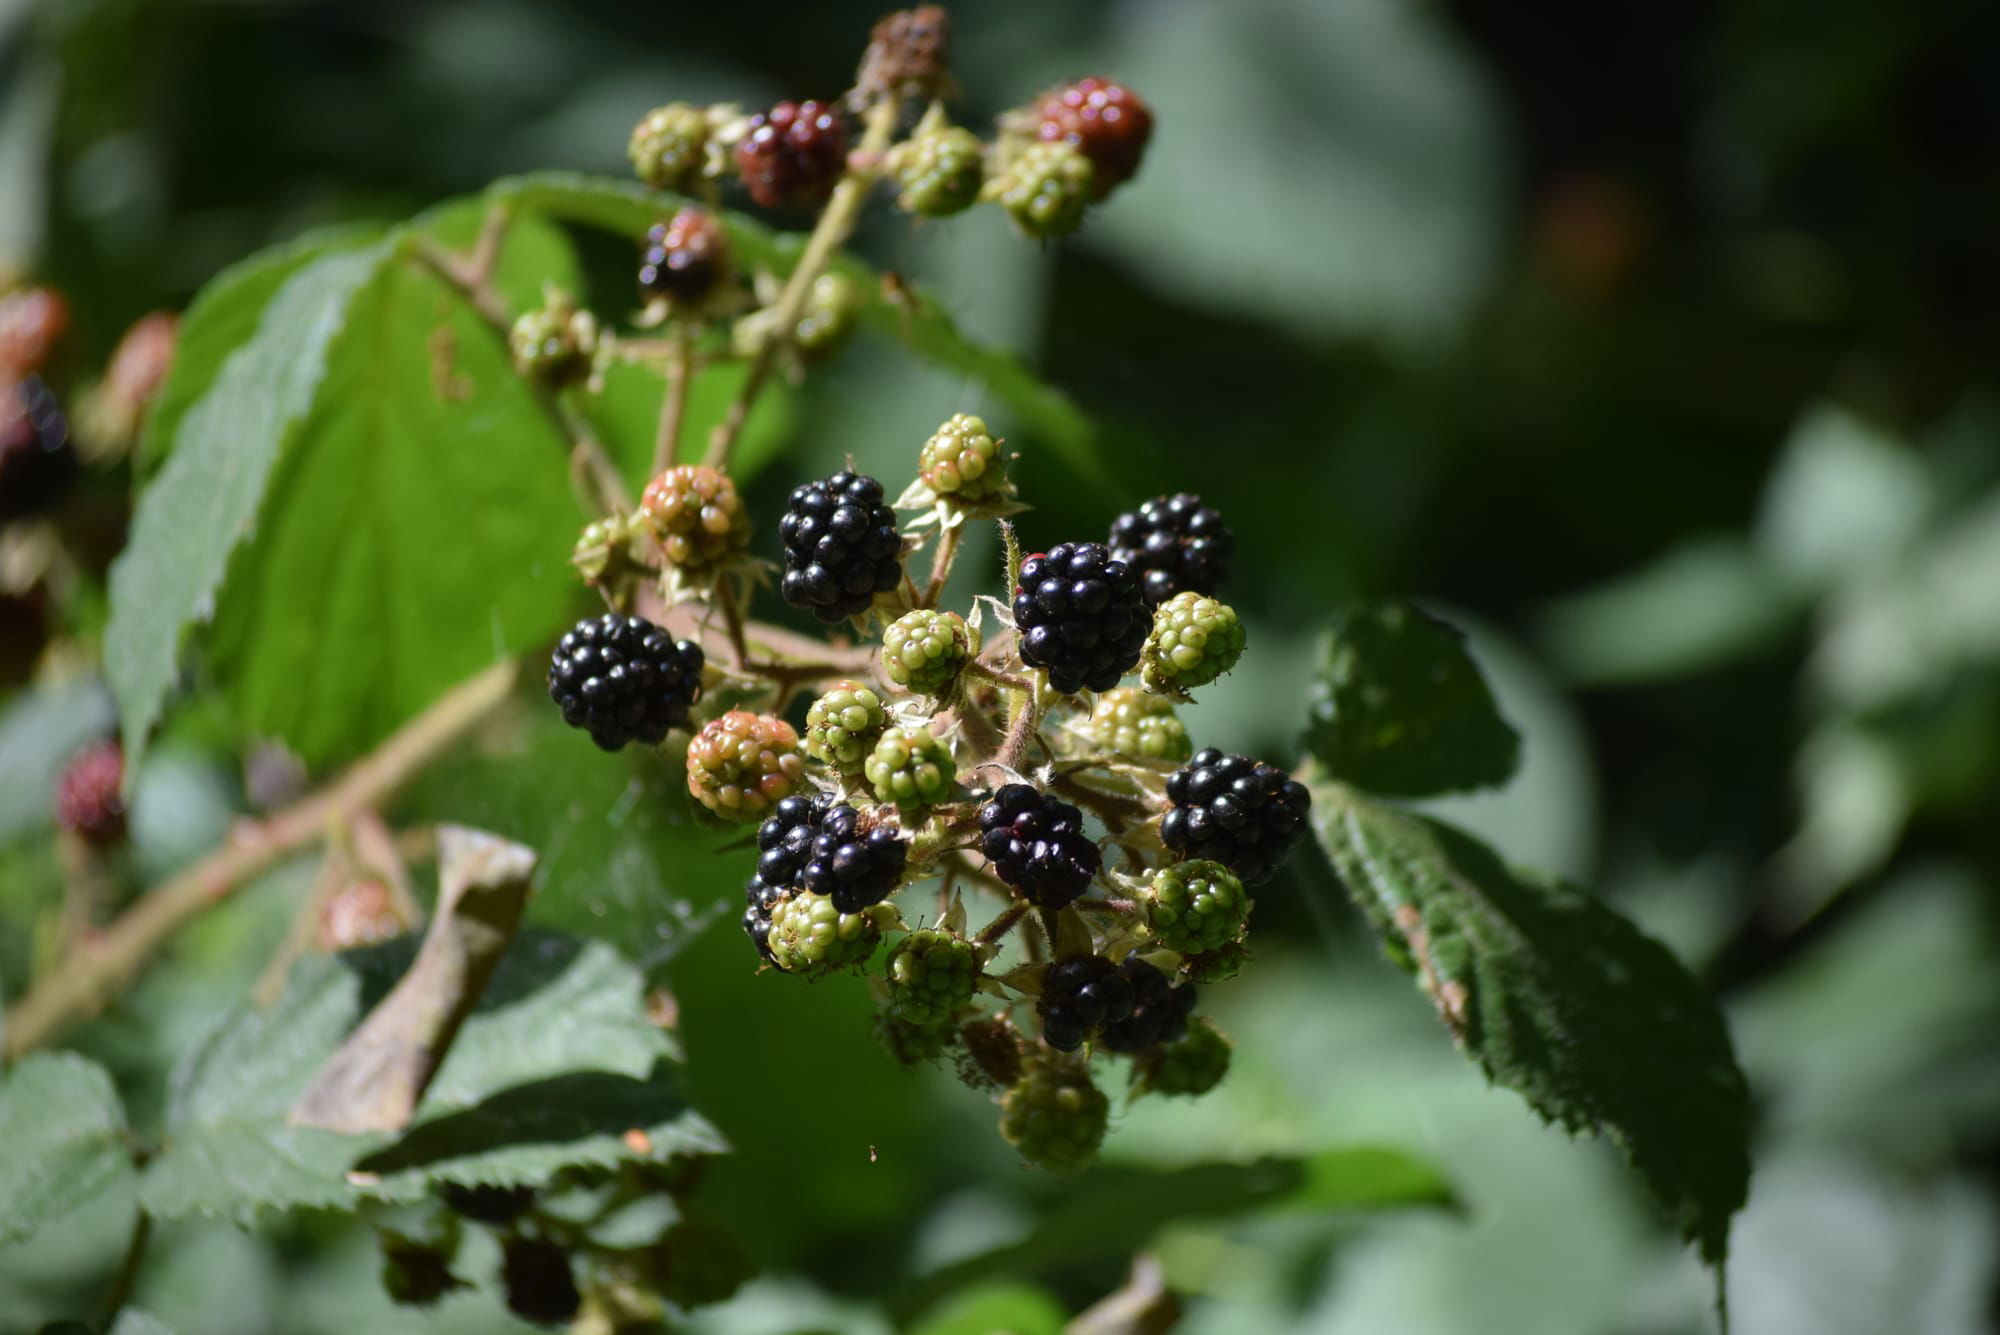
pixel 622 679
pixel 842 547
pixel 1080 617
pixel 1237 811
pixel 1177 545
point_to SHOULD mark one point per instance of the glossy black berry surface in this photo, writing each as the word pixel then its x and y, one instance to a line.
pixel 1080 616
pixel 622 679
pixel 1236 811
pixel 1175 543
pixel 1080 995
pixel 841 546
pixel 1159 1011
pixel 1036 843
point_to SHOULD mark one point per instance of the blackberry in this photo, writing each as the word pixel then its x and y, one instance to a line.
pixel 939 172
pixel 792 154
pixel 1080 995
pixel 1236 811
pixel 621 679
pixel 741 765
pixel 37 459
pixel 33 321
pixel 761 901
pixel 909 53
pixel 1080 616
pixel 694 513
pixel 669 147
pixel 1104 120
pixel 817 845
pixel 697 1264
pixel 832 306
pixel 1138 723
pixel 603 552
pixel 540 1287
pixel 925 650
pixel 911 1043
pixel 1036 844
pixel 912 767
pixel 1045 189
pixel 841 546
pixel 992 1053
pixel 87 800
pixel 554 345
pixel 932 974
pixel 1191 1065
pixel 684 258
pixel 1055 1117
pixel 1175 543
pixel 843 726
pixel 1194 640
pixel 1195 907
pixel 416 1272
pixel 962 460
pixel 810 936
pixel 1159 1009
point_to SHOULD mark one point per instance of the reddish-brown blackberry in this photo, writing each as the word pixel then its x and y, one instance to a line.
pixel 1175 543
pixel 841 546
pixel 792 154
pixel 1159 1011
pixel 1106 120
pixel 1080 616
pixel 1037 845
pixel 87 800
pixel 1236 811
pixel 1080 995
pixel 684 257
pixel 623 679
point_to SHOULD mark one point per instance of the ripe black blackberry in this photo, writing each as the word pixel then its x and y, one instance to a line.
pixel 540 1286
pixel 841 546
pixel 1080 995
pixel 1080 615
pixel 622 679
pixel 760 900
pixel 792 154
pixel 1236 811
pixel 1175 543
pixel 37 461
pixel 1037 845
pixel 1159 1012
pixel 817 845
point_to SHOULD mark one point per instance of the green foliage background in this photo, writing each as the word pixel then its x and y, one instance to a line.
pixel 1654 348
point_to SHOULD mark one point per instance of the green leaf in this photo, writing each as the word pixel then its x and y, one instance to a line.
pixel 211 489
pixel 1400 708
pixel 64 1130
pixel 558 1067
pixel 1556 996
pixel 1017 1309
pixel 132 1321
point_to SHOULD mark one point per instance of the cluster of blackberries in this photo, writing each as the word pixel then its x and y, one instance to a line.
pixel 1080 616
pixel 1131 1006
pixel 623 679
pixel 1036 844
pixel 1236 811
pixel 841 546
pixel 1175 543
pixel 817 845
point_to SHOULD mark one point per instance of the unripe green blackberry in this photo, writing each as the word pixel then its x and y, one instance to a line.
pixel 1055 1117
pixel 810 936
pixel 911 767
pixel 696 516
pixel 939 171
pixel 1045 189
pixel 1134 722
pixel 1194 640
pixel 911 1043
pixel 832 306
pixel 670 145
pixel 962 460
pixel 1218 965
pixel 603 551
pixel 1195 907
pixel 925 650
pixel 843 726
pixel 931 973
pixel 741 765
pixel 1191 1065
pixel 554 344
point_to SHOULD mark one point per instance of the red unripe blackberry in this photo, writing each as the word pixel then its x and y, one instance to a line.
pixel 1106 120
pixel 1081 616
pixel 684 257
pixel 623 679
pixel 1036 844
pixel 33 321
pixel 1159 1012
pixel 792 154
pixel 1176 544
pixel 87 800
pixel 841 546
pixel 1236 811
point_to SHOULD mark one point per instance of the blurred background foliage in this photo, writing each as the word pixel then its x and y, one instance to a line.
pixel 1655 345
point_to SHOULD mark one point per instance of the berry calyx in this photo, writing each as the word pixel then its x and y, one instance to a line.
pixel 962 461
pixel 1079 996
pixel 810 936
pixel 87 800
pixel 623 679
pixel 669 147
pixel 932 974
pixel 939 172
pixel 540 1287
pixel 843 726
pixel 684 259
pixel 1106 121
pixel 741 765
pixel 1194 640
pixel 1195 907
pixel 695 515
pixel 818 845
pixel 1175 543
pixel 912 767
pixel 1036 843
pixel 1045 189
pixel 1190 1065
pixel 555 344
pixel 1055 1117
pixel 1080 616
pixel 792 154
pixel 1236 811
pixel 925 650
pixel 841 546
pixel 1133 722
pixel 1159 1010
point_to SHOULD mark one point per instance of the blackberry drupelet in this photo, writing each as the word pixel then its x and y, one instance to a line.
pixel 1236 811
pixel 623 679
pixel 1159 1009
pixel 1036 844
pixel 1175 543
pixel 1080 616
pixel 792 154
pixel 841 546
pixel 1079 996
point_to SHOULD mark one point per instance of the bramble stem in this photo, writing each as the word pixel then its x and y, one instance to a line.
pixel 732 620
pixel 947 550
pixel 835 225
pixel 128 1268
pixel 673 408
pixel 93 973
